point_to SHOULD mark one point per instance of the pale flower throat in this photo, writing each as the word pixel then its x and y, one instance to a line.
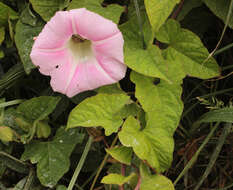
pixel 80 49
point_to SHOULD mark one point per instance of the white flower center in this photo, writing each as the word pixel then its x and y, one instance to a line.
pixel 80 49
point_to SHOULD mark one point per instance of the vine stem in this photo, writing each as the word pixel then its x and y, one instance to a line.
pixel 11 103
pixel 139 183
pixel 223 49
pixel 81 162
pixel 177 11
pixel 121 187
pixel 102 164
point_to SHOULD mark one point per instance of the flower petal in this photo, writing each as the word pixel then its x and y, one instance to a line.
pixel 56 32
pixel 93 26
pixel 115 69
pixel 110 47
pixel 61 76
pixel 48 60
pixel 88 76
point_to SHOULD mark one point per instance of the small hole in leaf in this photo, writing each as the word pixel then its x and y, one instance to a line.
pixel 57 67
pixel 156 81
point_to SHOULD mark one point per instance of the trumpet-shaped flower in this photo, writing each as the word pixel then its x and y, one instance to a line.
pixel 80 50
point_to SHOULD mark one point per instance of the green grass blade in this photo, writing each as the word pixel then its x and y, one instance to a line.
pixel 194 158
pixel 225 132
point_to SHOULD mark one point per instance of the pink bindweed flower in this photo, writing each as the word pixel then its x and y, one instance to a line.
pixel 80 50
